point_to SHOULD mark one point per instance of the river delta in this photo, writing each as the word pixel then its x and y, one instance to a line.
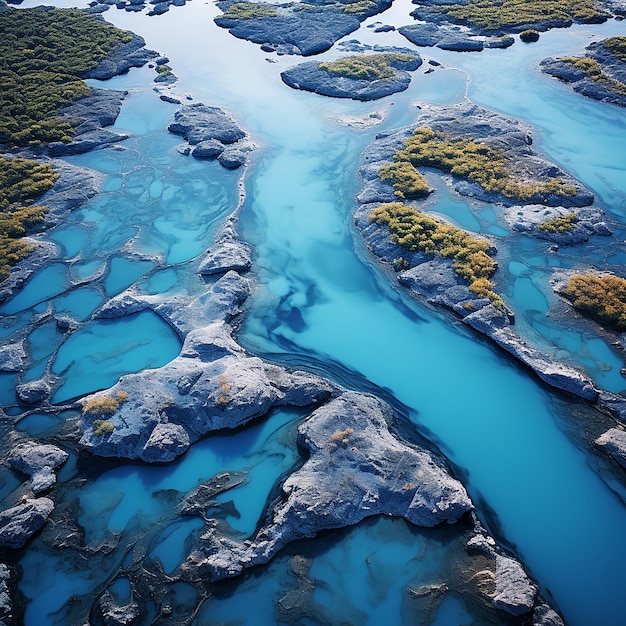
pixel 224 399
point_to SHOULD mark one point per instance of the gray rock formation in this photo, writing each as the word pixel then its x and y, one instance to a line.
pixel 293 30
pixel 356 468
pixel 19 523
pixel 5 597
pixel 311 77
pixel 605 89
pixel 199 123
pixel 614 442
pixel 122 58
pixel 116 615
pixel 33 391
pixel 212 385
pixel 39 462
pixel 228 252
pixel 212 133
pixel 12 356
pixel 528 219
pixel 512 591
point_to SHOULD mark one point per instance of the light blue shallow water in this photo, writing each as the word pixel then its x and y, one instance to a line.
pixel 318 298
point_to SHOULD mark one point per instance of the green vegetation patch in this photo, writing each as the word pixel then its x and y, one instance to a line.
pixel 43 53
pixel 505 14
pixel 102 427
pixel 562 224
pixel 21 182
pixel 416 231
pixel 593 70
pixel 367 67
pixel 250 11
pixel 469 159
pixel 602 298
pixel 617 46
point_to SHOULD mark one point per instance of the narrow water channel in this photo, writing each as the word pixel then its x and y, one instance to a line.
pixel 320 296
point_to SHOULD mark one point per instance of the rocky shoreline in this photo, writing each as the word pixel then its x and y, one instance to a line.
pixel 292 28
pixel 599 74
pixel 433 278
pixel 313 76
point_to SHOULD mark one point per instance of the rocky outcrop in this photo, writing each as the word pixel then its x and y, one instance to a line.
pixel 212 133
pixel 355 469
pixel 611 87
pixel 227 253
pixel 433 277
pixel 212 385
pixel 5 597
pixel 509 587
pixel 587 222
pixel 121 59
pixel 12 356
pixel 614 443
pixel 312 77
pixel 453 38
pixel 291 28
pixel 19 523
pixel 540 21
pixel 39 462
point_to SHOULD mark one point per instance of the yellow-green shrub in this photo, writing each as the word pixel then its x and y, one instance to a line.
pixel 250 11
pixel 475 161
pixel 602 298
pixel 105 405
pixel 102 427
pixel 417 231
pixel 406 180
pixel 561 224
pixel 507 14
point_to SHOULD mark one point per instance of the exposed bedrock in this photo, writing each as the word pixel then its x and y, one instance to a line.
pixel 614 443
pixel 122 58
pixel 433 277
pixel 605 76
pixel 293 28
pixel 212 385
pixel 39 462
pixel 356 468
pixel 212 133
pixel 19 523
pixel 313 77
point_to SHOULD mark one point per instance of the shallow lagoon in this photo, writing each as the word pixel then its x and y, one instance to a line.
pixel 316 298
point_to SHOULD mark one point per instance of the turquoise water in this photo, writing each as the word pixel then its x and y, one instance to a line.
pixel 95 356
pixel 317 298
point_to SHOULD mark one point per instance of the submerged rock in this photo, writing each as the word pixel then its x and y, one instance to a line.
pixel 39 462
pixel 19 523
pixel 355 469
pixel 12 357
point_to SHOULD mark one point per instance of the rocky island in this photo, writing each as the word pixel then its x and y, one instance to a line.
pixel 600 74
pixel 362 77
pixel 343 458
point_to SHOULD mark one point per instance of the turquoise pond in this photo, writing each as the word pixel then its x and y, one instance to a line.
pixel 320 301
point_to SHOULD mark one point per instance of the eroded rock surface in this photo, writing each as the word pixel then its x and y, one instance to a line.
pixel 19 523
pixel 356 468
pixel 614 442
pixel 606 87
pixel 312 77
pixel 39 462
